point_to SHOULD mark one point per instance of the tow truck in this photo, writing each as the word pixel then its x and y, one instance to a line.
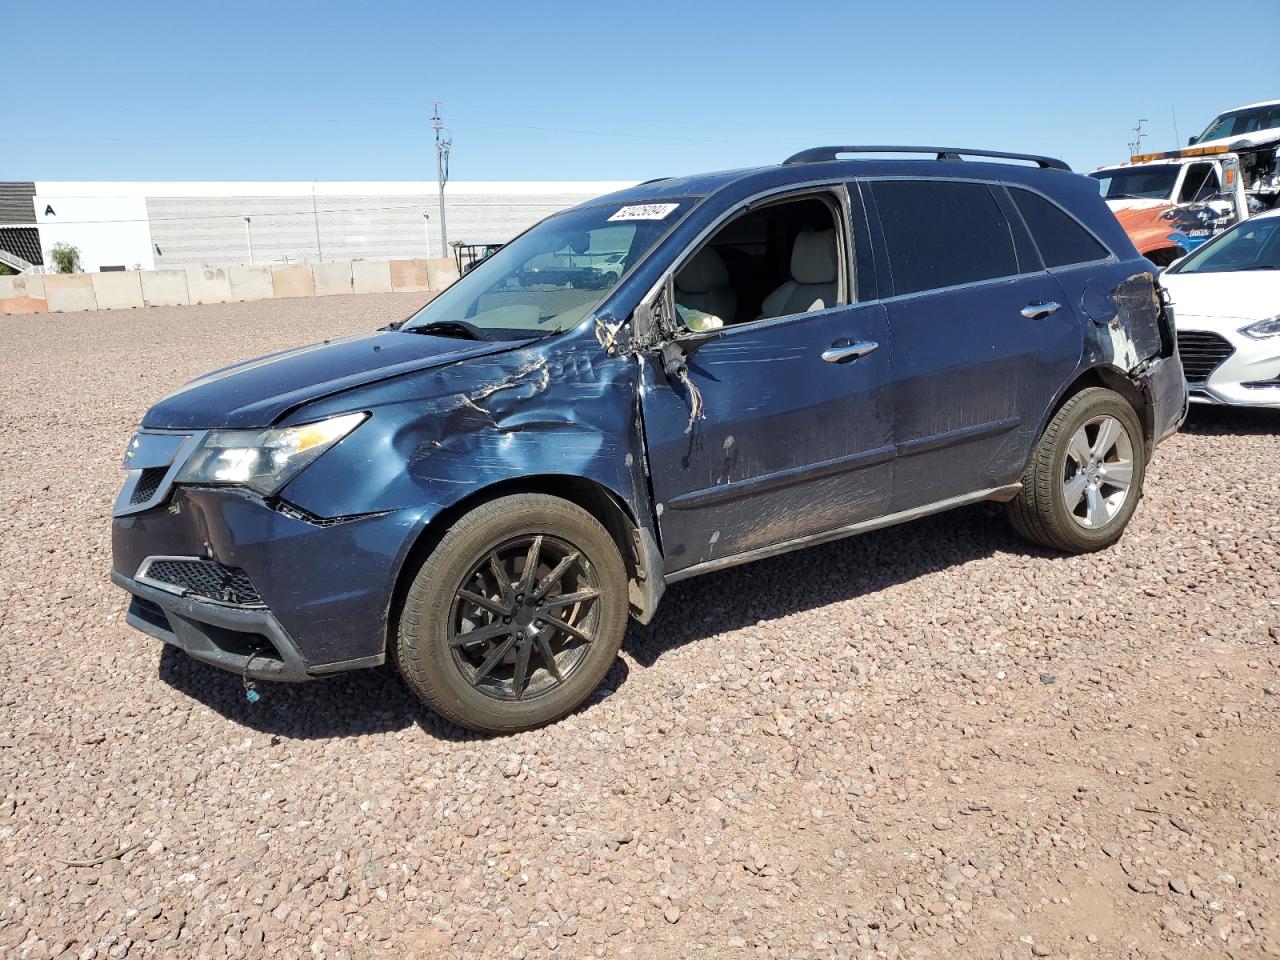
pixel 1170 203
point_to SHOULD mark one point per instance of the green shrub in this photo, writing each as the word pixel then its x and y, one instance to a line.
pixel 66 258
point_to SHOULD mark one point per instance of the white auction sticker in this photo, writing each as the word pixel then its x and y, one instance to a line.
pixel 645 211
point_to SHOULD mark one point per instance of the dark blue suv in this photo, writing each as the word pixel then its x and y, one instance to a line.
pixel 690 374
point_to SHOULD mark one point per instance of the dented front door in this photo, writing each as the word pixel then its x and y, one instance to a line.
pixel 789 444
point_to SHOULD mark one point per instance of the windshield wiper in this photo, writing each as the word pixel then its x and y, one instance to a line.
pixel 449 328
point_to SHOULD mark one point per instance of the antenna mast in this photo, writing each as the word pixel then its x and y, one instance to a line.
pixel 1135 145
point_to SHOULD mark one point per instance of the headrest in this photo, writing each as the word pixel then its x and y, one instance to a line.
pixel 813 258
pixel 703 273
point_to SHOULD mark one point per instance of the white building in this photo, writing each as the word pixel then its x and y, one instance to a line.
pixel 151 225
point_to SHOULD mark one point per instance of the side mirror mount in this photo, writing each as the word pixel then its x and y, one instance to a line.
pixel 656 325
pixel 1191 141
pixel 690 339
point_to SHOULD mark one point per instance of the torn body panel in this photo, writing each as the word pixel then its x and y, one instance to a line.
pixel 787 444
pixel 1129 333
pixel 559 407
pixel 435 437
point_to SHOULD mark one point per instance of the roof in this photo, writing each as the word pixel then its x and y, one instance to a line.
pixel 1250 106
pixel 756 179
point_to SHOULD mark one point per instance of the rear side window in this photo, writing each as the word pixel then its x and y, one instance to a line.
pixel 1062 241
pixel 943 233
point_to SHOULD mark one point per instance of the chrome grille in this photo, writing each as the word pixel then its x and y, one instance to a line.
pixel 1201 353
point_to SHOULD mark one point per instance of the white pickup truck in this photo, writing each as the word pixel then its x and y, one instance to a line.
pixel 1252 133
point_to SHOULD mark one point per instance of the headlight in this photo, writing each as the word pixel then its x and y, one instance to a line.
pixel 1263 329
pixel 264 460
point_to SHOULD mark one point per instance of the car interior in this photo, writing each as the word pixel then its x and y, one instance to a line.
pixel 780 260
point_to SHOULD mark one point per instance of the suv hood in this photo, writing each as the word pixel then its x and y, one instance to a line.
pixel 258 392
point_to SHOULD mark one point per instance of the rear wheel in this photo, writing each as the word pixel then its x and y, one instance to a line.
pixel 1085 476
pixel 516 616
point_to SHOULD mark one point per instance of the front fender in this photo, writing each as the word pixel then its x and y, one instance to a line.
pixel 433 439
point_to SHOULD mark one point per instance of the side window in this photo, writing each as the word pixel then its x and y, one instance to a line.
pixel 1199 183
pixel 775 261
pixel 1062 241
pixel 941 233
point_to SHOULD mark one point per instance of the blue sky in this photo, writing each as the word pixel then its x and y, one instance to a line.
pixel 277 90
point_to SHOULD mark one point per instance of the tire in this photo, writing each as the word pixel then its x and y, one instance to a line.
pixel 1060 466
pixel 448 673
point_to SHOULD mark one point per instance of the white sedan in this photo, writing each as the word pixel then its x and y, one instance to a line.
pixel 1226 307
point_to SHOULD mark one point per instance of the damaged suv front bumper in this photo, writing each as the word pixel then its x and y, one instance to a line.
pixel 261 589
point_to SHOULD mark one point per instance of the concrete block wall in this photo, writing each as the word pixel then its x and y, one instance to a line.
pixel 23 294
pixel 331 278
pixel 371 276
pixel 118 290
pixel 251 283
pixel 164 288
pixel 208 285
pixel 121 289
pixel 293 281
pixel 409 276
pixel 72 291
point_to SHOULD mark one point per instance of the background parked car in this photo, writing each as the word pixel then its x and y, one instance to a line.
pixel 1226 298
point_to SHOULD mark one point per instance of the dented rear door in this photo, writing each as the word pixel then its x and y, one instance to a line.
pixel 984 338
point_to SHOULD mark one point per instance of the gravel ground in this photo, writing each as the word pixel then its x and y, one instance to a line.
pixel 929 741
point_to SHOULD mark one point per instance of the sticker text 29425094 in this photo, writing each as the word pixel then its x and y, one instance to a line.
pixel 645 211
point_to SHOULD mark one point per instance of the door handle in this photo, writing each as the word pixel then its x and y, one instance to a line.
pixel 1039 309
pixel 842 351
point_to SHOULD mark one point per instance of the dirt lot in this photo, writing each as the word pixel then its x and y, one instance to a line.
pixel 929 741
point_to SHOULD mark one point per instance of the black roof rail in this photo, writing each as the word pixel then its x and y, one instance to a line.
pixel 819 154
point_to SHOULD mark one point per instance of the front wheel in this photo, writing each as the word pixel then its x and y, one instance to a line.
pixel 1085 477
pixel 516 616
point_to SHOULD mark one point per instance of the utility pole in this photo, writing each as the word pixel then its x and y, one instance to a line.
pixel 443 146
pixel 315 216
pixel 1135 145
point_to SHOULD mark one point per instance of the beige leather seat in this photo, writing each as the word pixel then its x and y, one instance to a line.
pixel 703 285
pixel 813 277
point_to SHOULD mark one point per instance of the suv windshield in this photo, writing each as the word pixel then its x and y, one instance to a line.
pixel 1153 182
pixel 1237 123
pixel 548 279
pixel 1251 245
